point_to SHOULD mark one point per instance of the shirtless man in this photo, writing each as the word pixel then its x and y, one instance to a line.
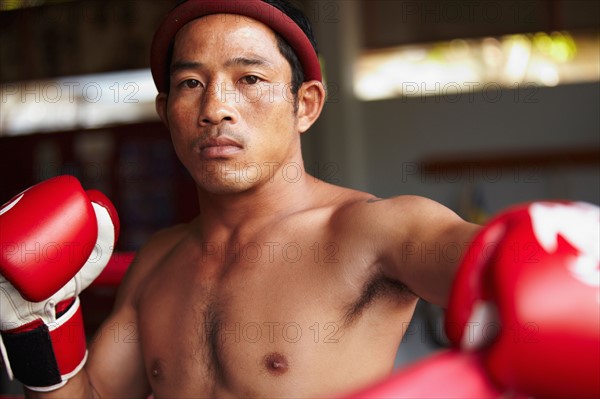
pixel 284 285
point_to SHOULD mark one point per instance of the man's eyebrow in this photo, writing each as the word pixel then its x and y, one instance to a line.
pixel 237 61
pixel 183 65
pixel 248 61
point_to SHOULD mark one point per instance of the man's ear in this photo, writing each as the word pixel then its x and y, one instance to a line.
pixel 311 98
pixel 161 107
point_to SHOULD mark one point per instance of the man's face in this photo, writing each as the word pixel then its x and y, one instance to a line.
pixel 230 109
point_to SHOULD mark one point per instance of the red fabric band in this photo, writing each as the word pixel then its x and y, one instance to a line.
pixel 255 9
pixel 447 374
pixel 68 341
pixel 115 270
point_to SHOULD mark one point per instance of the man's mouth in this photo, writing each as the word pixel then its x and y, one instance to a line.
pixel 219 147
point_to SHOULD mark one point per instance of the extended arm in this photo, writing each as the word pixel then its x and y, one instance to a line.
pixel 419 242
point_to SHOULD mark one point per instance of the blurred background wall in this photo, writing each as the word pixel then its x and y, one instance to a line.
pixel 75 98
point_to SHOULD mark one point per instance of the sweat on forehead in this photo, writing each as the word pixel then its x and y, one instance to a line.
pixel 255 9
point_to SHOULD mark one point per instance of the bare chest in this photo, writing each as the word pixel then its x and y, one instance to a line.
pixel 265 318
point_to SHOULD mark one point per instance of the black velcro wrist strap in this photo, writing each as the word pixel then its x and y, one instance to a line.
pixel 31 357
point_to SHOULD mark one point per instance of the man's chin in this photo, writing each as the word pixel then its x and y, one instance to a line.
pixel 224 187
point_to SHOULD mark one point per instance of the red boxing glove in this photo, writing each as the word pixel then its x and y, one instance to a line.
pixel 56 238
pixel 527 295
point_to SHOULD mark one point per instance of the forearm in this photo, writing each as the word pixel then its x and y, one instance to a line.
pixel 78 387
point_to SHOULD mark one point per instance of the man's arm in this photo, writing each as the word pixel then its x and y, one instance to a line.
pixel 115 365
pixel 419 242
pixel 542 304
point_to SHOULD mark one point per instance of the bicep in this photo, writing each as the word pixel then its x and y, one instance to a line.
pixel 431 262
pixel 425 252
pixel 115 365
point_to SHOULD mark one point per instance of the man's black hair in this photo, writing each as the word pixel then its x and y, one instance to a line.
pixel 286 50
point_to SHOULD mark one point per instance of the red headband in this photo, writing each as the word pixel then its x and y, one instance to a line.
pixel 255 9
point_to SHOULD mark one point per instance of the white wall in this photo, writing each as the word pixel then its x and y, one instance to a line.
pixel 397 135
pixel 402 132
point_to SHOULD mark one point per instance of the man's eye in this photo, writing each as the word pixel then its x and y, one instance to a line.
pixel 250 79
pixel 191 83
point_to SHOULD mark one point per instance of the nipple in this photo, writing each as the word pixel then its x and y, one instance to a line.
pixel 156 369
pixel 276 363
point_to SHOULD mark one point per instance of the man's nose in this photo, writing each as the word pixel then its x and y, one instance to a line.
pixel 219 105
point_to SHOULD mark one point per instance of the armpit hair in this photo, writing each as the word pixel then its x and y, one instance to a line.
pixel 376 288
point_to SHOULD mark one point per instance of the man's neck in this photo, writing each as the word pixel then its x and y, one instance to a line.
pixel 226 214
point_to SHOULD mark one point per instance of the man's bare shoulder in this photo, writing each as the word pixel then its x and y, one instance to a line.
pixel 363 208
pixel 163 241
pixel 149 257
pixel 399 234
pixel 388 222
